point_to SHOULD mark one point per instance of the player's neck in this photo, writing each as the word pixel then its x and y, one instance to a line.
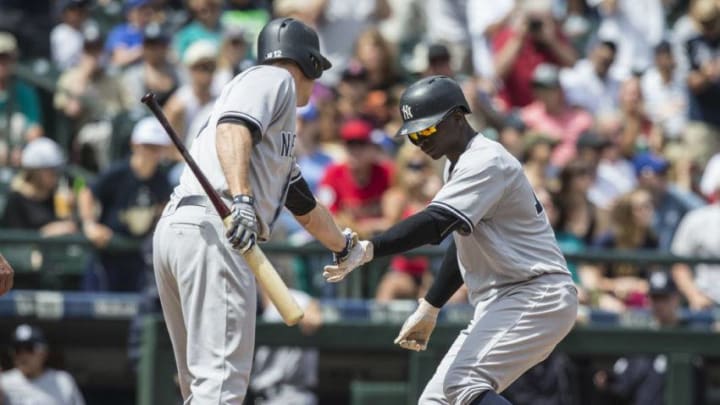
pixel 460 146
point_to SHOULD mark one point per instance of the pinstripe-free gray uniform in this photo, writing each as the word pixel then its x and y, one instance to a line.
pixel 516 276
pixel 207 292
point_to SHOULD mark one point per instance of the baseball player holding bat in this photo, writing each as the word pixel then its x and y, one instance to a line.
pixel 246 153
pixel 503 249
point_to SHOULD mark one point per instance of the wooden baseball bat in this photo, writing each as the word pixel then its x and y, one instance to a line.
pixel 264 271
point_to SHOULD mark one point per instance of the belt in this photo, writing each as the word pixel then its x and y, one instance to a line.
pixel 197 200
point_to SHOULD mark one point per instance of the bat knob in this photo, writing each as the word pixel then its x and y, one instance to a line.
pixel 148 97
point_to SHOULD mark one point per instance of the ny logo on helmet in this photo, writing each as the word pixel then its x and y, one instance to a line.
pixel 406 112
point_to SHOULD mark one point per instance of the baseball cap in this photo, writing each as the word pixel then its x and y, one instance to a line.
pixel 8 44
pixel 42 153
pixel 533 138
pixel 649 162
pixel 27 334
pixel 661 284
pixel 154 33
pixel 66 4
pixel 200 51
pixel 546 75
pixel 148 131
pixel 438 53
pixel 592 140
pixel 356 130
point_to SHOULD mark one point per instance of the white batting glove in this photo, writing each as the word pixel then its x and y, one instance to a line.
pixel 355 254
pixel 415 332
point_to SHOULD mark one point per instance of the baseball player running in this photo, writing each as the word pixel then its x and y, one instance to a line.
pixel 246 150
pixel 503 249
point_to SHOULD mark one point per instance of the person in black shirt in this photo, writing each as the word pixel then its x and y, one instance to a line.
pixel 36 201
pixel 129 196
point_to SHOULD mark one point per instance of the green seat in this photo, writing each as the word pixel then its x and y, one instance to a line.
pixel 378 393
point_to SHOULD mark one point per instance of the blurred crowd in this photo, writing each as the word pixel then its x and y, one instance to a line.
pixel 613 107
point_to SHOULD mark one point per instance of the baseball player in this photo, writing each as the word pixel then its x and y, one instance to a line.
pixel 503 249
pixel 246 150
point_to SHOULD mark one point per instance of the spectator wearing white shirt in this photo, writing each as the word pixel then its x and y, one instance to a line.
pixel 484 18
pixel 31 382
pixel 66 39
pixel 665 93
pixel 589 84
pixel 711 178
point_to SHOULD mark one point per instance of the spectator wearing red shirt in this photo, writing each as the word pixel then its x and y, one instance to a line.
pixel 353 189
pixel 529 39
pixel 552 115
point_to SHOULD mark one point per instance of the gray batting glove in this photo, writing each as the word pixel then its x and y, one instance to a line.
pixel 355 254
pixel 243 231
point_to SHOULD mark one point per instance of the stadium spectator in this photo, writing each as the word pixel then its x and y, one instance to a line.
pixel 20 115
pixel 66 39
pixel 439 61
pixel 154 72
pixel 614 175
pixel 699 236
pixel 249 16
pixel 92 96
pixel 40 198
pixel 636 26
pixel 231 58
pixel 373 52
pixel 589 84
pixel 702 136
pixel 31 381
pixel 205 26
pixel 484 18
pixel 446 23
pixel 710 178
pixel 537 150
pixel 530 38
pixel 353 190
pixel 638 133
pixel 623 285
pixel 641 379
pixel 313 161
pixel 671 203
pixel 129 196
pixel 415 182
pixel 6 282
pixel 352 91
pixel 665 93
pixel 124 42
pixel 551 115
pixel 186 103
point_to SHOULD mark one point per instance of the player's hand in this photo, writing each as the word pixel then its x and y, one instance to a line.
pixel 242 234
pixel 355 254
pixel 415 332
pixel 6 276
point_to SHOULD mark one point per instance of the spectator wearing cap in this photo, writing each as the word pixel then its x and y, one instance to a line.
pixel 529 39
pixel 352 90
pixel 438 61
pixel 91 97
pixel 614 175
pixel 699 236
pixel 154 72
pixel 129 197
pixel 702 135
pixel 20 118
pixel 40 199
pixel 31 381
pixel 641 379
pixel 550 114
pixel 589 84
pixel 665 93
pixel 192 101
pixel 231 59
pixel 66 39
pixel 124 42
pixel 205 26
pixel 353 190
pixel 671 203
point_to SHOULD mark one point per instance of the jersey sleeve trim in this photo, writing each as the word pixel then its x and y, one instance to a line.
pixel 455 212
pixel 237 117
pixel 296 178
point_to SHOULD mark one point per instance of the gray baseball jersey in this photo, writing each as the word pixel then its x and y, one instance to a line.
pixel 265 96
pixel 508 237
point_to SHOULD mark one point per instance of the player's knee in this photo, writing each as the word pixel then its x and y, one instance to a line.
pixel 457 390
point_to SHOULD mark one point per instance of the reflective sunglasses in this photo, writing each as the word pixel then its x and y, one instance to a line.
pixel 415 136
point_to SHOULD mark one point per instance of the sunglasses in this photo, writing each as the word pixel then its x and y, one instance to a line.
pixel 415 136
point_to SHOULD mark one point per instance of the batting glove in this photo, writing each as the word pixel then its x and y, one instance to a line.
pixel 415 332
pixel 355 254
pixel 242 234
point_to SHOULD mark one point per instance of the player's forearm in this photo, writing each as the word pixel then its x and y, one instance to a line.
pixel 448 281
pixel 429 226
pixel 320 224
pixel 234 145
pixel 682 275
pixel 86 206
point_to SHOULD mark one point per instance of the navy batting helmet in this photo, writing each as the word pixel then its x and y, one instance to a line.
pixel 428 101
pixel 287 38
